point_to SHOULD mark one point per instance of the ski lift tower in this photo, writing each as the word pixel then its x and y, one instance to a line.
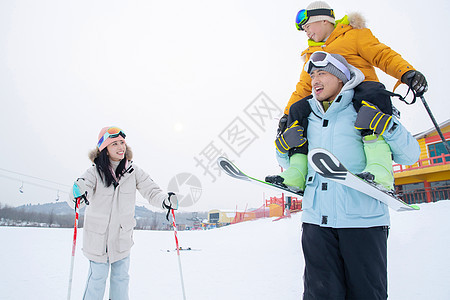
pixel 196 220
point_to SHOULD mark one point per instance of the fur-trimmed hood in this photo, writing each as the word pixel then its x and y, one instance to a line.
pixel 355 19
pixel 93 154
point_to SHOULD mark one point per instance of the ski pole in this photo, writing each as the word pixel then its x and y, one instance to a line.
pixel 74 243
pixel 447 147
pixel 178 253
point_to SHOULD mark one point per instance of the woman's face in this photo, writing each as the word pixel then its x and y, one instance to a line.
pixel 116 150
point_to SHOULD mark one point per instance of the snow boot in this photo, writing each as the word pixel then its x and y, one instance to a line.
pixel 378 162
pixel 294 177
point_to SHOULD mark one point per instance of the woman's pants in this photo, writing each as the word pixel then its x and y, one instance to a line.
pixel 96 282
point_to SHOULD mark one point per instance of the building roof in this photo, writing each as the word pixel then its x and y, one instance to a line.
pixel 431 130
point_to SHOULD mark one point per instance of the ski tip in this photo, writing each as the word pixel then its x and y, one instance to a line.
pixel 225 163
pixel 221 159
pixel 230 169
pixel 415 207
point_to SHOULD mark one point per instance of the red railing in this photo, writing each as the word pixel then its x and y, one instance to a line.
pixel 296 204
pixel 442 159
pixel 274 200
pixel 431 194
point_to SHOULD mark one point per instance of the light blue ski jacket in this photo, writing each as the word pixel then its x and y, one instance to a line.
pixel 330 204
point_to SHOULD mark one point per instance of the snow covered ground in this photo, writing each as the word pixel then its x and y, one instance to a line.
pixel 253 260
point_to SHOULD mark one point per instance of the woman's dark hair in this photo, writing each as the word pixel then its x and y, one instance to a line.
pixel 103 165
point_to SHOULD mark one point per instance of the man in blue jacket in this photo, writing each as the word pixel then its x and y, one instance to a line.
pixel 344 236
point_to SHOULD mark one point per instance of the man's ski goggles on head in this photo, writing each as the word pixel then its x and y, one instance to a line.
pixel 320 59
pixel 111 132
pixel 304 15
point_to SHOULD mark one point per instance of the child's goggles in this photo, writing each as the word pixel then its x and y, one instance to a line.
pixel 304 15
pixel 111 132
pixel 320 59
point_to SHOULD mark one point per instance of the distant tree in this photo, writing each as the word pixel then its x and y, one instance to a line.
pixel 155 224
pixel 51 218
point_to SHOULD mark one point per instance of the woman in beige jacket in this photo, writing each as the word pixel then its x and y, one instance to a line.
pixel 110 186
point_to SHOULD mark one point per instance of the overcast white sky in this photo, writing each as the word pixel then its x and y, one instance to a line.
pixel 175 75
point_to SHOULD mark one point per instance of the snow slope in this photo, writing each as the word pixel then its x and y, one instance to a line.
pixel 253 260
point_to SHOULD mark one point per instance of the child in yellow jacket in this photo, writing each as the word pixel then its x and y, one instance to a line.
pixel 350 38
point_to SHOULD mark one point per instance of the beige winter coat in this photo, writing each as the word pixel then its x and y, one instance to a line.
pixel 109 217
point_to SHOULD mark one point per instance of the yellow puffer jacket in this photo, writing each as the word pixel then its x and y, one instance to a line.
pixel 359 47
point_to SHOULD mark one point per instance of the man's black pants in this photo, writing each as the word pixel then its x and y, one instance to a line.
pixel 344 263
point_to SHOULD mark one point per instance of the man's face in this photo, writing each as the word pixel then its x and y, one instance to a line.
pixel 325 85
pixel 318 31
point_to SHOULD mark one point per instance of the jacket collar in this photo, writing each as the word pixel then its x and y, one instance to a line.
pixel 125 175
pixel 342 100
pixel 128 171
pixel 341 26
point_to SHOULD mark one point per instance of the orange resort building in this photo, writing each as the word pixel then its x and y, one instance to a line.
pixel 428 180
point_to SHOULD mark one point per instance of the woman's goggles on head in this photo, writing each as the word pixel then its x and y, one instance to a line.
pixel 304 15
pixel 111 132
pixel 321 59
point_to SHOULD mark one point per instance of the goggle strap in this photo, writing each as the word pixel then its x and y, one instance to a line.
pixel 340 66
pixel 109 135
pixel 310 13
pixel 320 12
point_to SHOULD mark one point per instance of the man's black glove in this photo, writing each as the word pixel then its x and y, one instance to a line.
pixel 416 81
pixel 282 124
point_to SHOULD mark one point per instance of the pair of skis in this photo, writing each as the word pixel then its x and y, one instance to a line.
pixel 328 166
